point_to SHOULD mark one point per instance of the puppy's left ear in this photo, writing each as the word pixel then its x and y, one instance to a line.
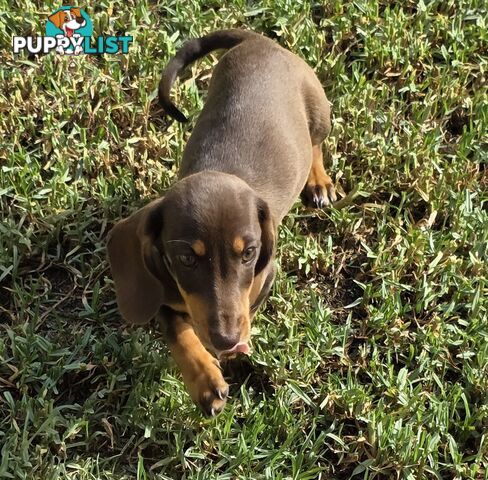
pixel 58 18
pixel 267 236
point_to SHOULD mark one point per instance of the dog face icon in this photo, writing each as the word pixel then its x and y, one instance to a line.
pixel 68 20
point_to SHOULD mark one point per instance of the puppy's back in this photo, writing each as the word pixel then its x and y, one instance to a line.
pixel 254 122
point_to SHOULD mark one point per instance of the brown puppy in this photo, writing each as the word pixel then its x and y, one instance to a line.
pixel 201 257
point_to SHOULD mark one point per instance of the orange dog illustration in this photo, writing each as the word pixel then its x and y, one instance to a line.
pixel 68 20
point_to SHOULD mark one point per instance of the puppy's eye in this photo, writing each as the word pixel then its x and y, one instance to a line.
pixel 187 260
pixel 248 254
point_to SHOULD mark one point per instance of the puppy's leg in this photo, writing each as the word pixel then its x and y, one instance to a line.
pixel 201 371
pixel 319 190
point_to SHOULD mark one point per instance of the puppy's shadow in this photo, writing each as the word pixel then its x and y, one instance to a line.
pixel 241 370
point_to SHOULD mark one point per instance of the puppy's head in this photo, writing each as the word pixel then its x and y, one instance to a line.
pixel 68 20
pixel 210 236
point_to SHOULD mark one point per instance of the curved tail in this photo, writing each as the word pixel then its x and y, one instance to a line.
pixel 191 51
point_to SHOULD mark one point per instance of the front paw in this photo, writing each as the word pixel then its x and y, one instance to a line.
pixel 319 194
pixel 207 388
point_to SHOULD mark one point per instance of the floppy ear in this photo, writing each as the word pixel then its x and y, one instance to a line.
pixel 134 261
pixel 267 237
pixel 58 18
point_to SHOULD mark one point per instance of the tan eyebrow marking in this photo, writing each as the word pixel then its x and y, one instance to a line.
pixel 199 248
pixel 238 245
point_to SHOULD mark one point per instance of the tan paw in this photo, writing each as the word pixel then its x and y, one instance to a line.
pixel 207 388
pixel 320 193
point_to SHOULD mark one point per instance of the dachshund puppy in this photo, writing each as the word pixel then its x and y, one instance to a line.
pixel 201 258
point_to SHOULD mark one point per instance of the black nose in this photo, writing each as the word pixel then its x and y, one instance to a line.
pixel 224 341
pixel 80 19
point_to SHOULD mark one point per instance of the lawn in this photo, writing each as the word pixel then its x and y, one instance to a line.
pixel 370 358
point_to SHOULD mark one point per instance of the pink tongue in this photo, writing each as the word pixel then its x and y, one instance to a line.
pixel 69 32
pixel 239 348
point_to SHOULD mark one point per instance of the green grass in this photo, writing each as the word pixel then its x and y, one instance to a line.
pixel 370 357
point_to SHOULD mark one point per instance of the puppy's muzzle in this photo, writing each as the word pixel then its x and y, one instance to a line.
pixel 224 341
pixel 226 335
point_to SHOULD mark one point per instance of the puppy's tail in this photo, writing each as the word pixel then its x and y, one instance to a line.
pixel 191 51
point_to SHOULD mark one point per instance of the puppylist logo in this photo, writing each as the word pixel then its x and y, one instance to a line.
pixel 69 32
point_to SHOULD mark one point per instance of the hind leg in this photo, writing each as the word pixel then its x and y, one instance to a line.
pixel 319 190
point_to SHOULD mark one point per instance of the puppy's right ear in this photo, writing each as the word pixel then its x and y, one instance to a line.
pixel 130 244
